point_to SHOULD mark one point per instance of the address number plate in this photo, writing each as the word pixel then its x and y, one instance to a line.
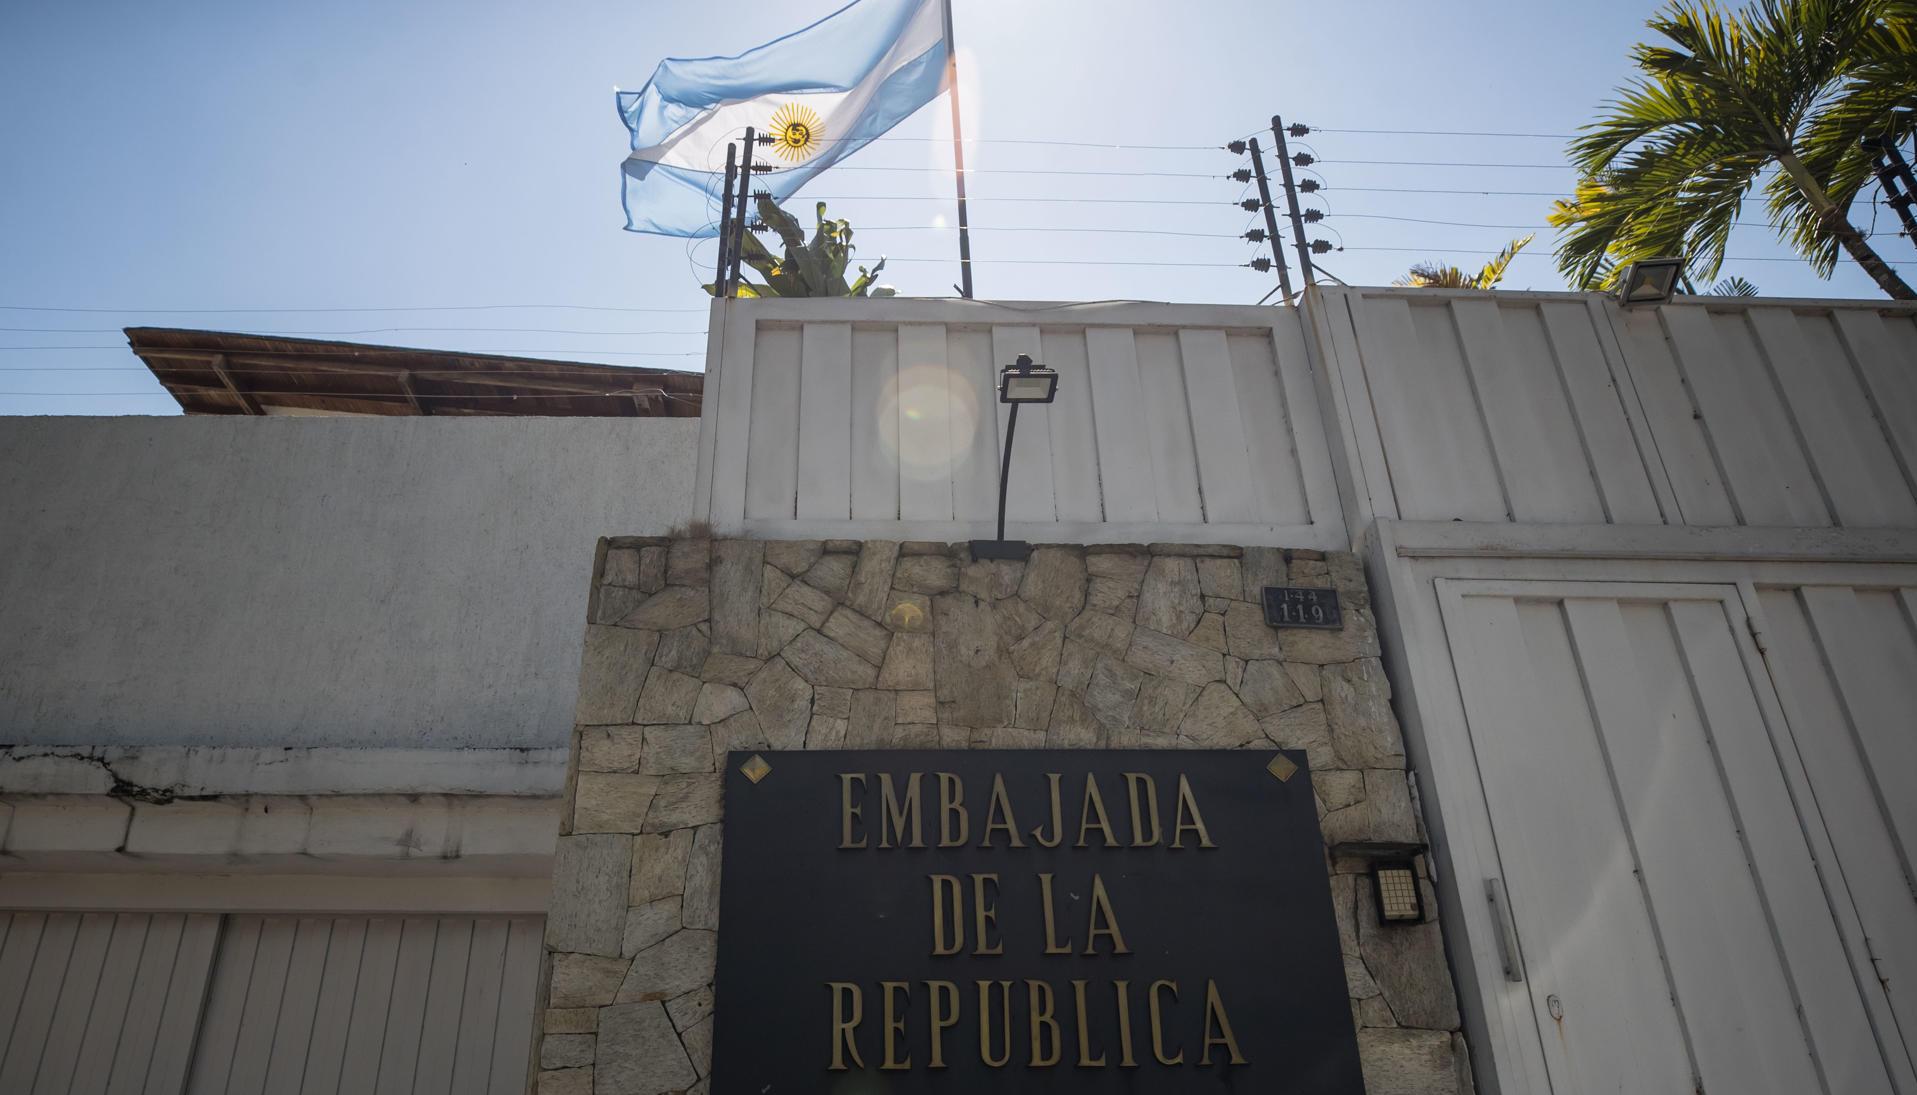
pixel 1296 606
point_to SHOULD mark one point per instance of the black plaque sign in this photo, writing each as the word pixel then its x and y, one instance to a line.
pixel 1302 606
pixel 1071 921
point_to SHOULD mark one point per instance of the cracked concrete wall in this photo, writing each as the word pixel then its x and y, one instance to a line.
pixel 241 581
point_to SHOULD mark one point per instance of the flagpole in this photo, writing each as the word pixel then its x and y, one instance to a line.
pixel 958 154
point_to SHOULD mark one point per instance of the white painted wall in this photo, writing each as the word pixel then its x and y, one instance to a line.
pixel 373 582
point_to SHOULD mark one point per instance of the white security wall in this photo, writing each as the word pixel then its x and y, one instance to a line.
pixel 1182 423
pixel 398 582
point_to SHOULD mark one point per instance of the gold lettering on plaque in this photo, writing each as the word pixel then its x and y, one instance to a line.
pixel 849 812
pixel 1085 1058
pixel 1215 1008
pixel 952 807
pixel 1042 1021
pixel 1094 802
pixel 945 894
pixel 1102 906
pixel 1052 945
pixel 1158 1026
pixel 845 1026
pixel 998 815
pixel 1058 819
pixel 892 822
pixel 985 1022
pixel 894 1026
pixel 1133 782
pixel 1122 989
pixel 985 915
pixel 1187 802
pixel 945 1016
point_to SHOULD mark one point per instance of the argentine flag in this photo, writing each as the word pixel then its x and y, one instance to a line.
pixel 820 93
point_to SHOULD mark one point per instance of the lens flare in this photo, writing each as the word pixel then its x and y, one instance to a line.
pixel 927 416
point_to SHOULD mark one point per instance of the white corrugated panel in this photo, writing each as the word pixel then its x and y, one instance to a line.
pixel 329 1006
pixel 875 417
pixel 92 1003
pixel 1566 408
pixel 1672 924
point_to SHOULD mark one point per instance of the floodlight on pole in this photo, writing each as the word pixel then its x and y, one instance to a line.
pixel 1649 281
pixel 1019 383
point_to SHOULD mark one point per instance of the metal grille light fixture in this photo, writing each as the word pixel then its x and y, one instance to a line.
pixel 1019 383
pixel 1400 896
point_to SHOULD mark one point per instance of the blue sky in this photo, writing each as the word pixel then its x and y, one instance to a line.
pixel 433 155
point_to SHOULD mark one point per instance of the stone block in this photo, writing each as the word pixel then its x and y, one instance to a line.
pixel 738 734
pixel 1108 634
pixel 698 1042
pixel 1015 620
pixel 831 573
pixel 821 661
pixel 1250 637
pixel 907 612
pixel 825 732
pixel 730 669
pixel 782 701
pixel 1305 676
pixel 1112 692
pixel 1303 727
pixel 1126 566
pixel 1164 656
pixel 1073 726
pixel 673 606
pixel 773 583
pixel 659 866
pixel 1007 737
pixel 967 668
pixel 701 907
pixel 652 569
pixel 1234 672
pixel 1408 1062
pixel 1217 720
pixel 1358 706
pixel 905 736
pixel 621 569
pixel 610 748
pixel 1309 573
pixel 568 1081
pixel 691 1009
pixel 857 634
pixel 1221 578
pixel 612 671
pixel 611 802
pixel 1261 567
pixel 1218 551
pixel 874 713
pixel 570 1020
pixel 1035 657
pixel 683 649
pixel 842 546
pixel 1337 789
pixel 676 750
pixel 738 568
pixel 1075 661
pixel 677 964
pixel 795 557
pixel 1407 962
pixel 689 563
pixel 1209 633
pixel 776 630
pixel 640 1053
pixel 611 604
pixel 928 574
pixel 1033 706
pixel 590 878
pixel 805 602
pixel 648 924
pixel 684 802
pixel 1384 815
pixel 991 579
pixel 558 1051
pixel 1054 582
pixel 584 980
pixel 1162 703
pixel 668 697
pixel 1267 689
pixel 908 663
pixel 1170 601
pixel 916 706
pixel 717 703
pixel 833 703
pixel 1112 596
pixel 871 582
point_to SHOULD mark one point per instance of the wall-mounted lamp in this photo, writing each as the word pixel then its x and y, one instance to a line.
pixel 1649 281
pixel 1019 383
pixel 1400 897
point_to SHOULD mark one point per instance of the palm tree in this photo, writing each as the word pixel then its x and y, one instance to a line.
pixel 1735 100
pixel 1435 275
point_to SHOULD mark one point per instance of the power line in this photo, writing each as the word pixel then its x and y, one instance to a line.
pixel 419 308
pixel 1543 255
pixel 1445 133
pixel 368 331
pixel 1449 163
pixel 621 392
pixel 1035 171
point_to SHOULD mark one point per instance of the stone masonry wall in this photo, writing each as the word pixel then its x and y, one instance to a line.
pixel 700 647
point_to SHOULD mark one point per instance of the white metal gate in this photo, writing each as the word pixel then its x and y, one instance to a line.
pixel 1663 918
pixel 160 1003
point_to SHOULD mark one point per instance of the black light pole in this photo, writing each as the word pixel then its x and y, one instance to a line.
pixel 1020 382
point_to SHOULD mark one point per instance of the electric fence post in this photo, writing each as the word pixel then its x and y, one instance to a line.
pixel 1291 199
pixel 725 223
pixel 1271 219
pixel 746 168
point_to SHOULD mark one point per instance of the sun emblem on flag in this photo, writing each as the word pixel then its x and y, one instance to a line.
pixel 795 132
